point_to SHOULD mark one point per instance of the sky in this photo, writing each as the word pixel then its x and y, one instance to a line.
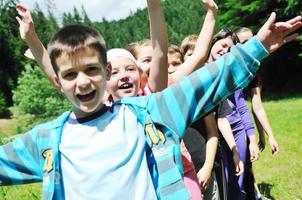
pixel 95 9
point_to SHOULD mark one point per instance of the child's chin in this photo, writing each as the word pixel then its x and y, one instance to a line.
pixel 90 109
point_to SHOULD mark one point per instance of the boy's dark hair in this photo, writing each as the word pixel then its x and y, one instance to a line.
pixel 72 40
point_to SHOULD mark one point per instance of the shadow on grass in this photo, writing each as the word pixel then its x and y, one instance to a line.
pixel 265 189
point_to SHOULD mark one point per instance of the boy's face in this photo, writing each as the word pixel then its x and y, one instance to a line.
pixel 220 48
pixel 83 81
pixel 124 80
pixel 188 53
pixel 174 61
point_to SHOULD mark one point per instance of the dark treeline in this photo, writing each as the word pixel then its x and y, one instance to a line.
pixel 183 17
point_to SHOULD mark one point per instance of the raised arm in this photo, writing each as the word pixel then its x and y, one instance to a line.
pixel 194 96
pixel 28 34
pixel 158 75
pixel 200 53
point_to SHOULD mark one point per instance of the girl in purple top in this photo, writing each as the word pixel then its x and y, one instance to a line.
pixel 236 116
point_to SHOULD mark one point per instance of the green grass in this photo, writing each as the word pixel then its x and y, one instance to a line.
pixel 21 192
pixel 279 177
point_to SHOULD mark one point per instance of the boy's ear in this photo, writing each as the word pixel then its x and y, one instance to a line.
pixel 57 82
pixel 108 71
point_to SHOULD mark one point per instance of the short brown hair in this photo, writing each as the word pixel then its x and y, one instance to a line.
pixel 188 43
pixel 73 39
pixel 134 47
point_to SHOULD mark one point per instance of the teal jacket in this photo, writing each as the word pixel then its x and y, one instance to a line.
pixel 34 156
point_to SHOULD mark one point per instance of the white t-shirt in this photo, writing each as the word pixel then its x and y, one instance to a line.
pixel 104 157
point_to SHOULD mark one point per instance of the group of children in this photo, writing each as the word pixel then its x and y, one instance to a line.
pixel 146 122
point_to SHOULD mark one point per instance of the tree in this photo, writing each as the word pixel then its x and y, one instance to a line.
pixel 37 98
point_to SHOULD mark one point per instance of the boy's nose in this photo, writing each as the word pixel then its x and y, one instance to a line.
pixel 82 80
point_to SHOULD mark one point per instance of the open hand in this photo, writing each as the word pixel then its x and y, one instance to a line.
pixel 210 5
pixel 26 25
pixel 204 176
pixel 275 34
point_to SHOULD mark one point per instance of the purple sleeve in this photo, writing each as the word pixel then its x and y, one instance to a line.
pixel 244 112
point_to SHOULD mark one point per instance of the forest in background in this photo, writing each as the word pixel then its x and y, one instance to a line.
pixel 24 87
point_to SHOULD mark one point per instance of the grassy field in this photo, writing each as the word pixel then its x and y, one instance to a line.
pixel 279 177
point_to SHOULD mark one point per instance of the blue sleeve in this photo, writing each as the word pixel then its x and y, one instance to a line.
pixel 181 104
pixel 19 161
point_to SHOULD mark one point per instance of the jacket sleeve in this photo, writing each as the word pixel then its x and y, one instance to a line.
pixel 19 161
pixel 194 96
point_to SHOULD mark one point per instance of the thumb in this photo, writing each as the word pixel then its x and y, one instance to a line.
pixel 271 20
pixel 19 20
pixel 237 168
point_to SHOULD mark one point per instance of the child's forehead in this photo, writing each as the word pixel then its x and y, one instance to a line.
pixel 82 57
pixel 174 54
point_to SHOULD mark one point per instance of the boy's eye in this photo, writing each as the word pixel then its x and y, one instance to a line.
pixel 175 64
pixel 70 75
pixel 92 70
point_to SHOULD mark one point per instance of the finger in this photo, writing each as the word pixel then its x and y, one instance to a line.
pixel 290 37
pixel 19 20
pixel 294 20
pixel 294 27
pixel 21 13
pixel 277 149
pixel 21 7
pixel 241 169
pixel 271 20
pixel 205 186
pixel 252 158
pixel 283 26
pixel 237 170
